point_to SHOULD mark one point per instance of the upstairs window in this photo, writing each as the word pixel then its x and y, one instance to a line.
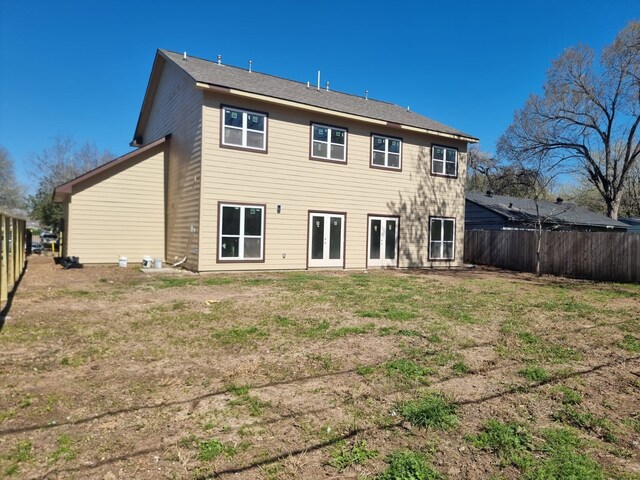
pixel 386 152
pixel 444 161
pixel 442 238
pixel 244 129
pixel 328 143
pixel 241 230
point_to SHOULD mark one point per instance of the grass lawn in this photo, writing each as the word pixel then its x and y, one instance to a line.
pixel 110 373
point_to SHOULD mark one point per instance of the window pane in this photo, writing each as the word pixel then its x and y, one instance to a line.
pixel 451 155
pixel 448 230
pixel 230 247
pixel 232 136
pixel 390 240
pixel 438 167
pixel 335 240
pixel 255 122
pixel 394 146
pixel 448 250
pixel 319 149
pixel 233 118
pixel 317 237
pixel 438 153
pixel 436 250
pixel 337 152
pixel 436 229
pixel 320 133
pixel 253 221
pixel 374 239
pixel 394 160
pixel 378 158
pixel 451 169
pixel 231 220
pixel 379 143
pixel 252 247
pixel 337 136
pixel 255 140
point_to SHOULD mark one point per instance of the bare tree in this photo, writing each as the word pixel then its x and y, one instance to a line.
pixel 12 193
pixel 588 116
pixel 64 160
pixel 487 173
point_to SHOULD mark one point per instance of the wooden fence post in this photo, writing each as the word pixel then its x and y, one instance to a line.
pixel 4 283
pixel 12 254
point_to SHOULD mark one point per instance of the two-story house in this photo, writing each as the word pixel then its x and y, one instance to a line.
pixel 238 170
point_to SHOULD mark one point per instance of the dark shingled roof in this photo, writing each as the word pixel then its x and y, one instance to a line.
pixel 209 72
pixel 524 210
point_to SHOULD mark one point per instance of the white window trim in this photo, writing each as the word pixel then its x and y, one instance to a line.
pixel 328 143
pixel 444 161
pixel 386 152
pixel 442 241
pixel 244 128
pixel 241 236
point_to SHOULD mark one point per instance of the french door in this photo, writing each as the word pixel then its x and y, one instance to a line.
pixel 326 239
pixel 383 242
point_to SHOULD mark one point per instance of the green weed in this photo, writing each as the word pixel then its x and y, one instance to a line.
pixel 345 455
pixel 569 396
pixel 563 460
pixel 174 282
pixel 535 374
pixel 600 426
pixel 253 404
pixel 408 369
pixel 431 411
pixel 388 313
pixel 64 449
pixel 408 465
pixel 213 448
pixel 460 368
pixel 238 335
pixel 213 281
pixel 630 344
pixel 510 441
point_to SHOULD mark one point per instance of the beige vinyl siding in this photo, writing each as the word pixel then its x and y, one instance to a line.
pixel 119 212
pixel 177 110
pixel 286 176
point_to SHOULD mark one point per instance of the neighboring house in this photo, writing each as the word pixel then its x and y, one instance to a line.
pixel 238 170
pixel 632 222
pixel 485 211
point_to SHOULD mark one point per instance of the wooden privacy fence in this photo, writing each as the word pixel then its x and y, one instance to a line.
pixel 604 256
pixel 12 254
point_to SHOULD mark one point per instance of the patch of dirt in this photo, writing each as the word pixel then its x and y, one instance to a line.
pixel 110 373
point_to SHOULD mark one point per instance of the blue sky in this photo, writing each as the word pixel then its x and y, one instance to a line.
pixel 80 68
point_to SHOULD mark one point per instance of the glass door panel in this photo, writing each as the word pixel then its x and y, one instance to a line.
pixel 317 237
pixel 326 240
pixel 383 241
pixel 375 236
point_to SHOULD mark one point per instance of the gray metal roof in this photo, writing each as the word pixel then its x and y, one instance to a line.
pixel 524 210
pixel 211 73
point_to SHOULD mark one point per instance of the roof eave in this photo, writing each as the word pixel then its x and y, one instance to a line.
pixel 291 103
pixel 63 192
